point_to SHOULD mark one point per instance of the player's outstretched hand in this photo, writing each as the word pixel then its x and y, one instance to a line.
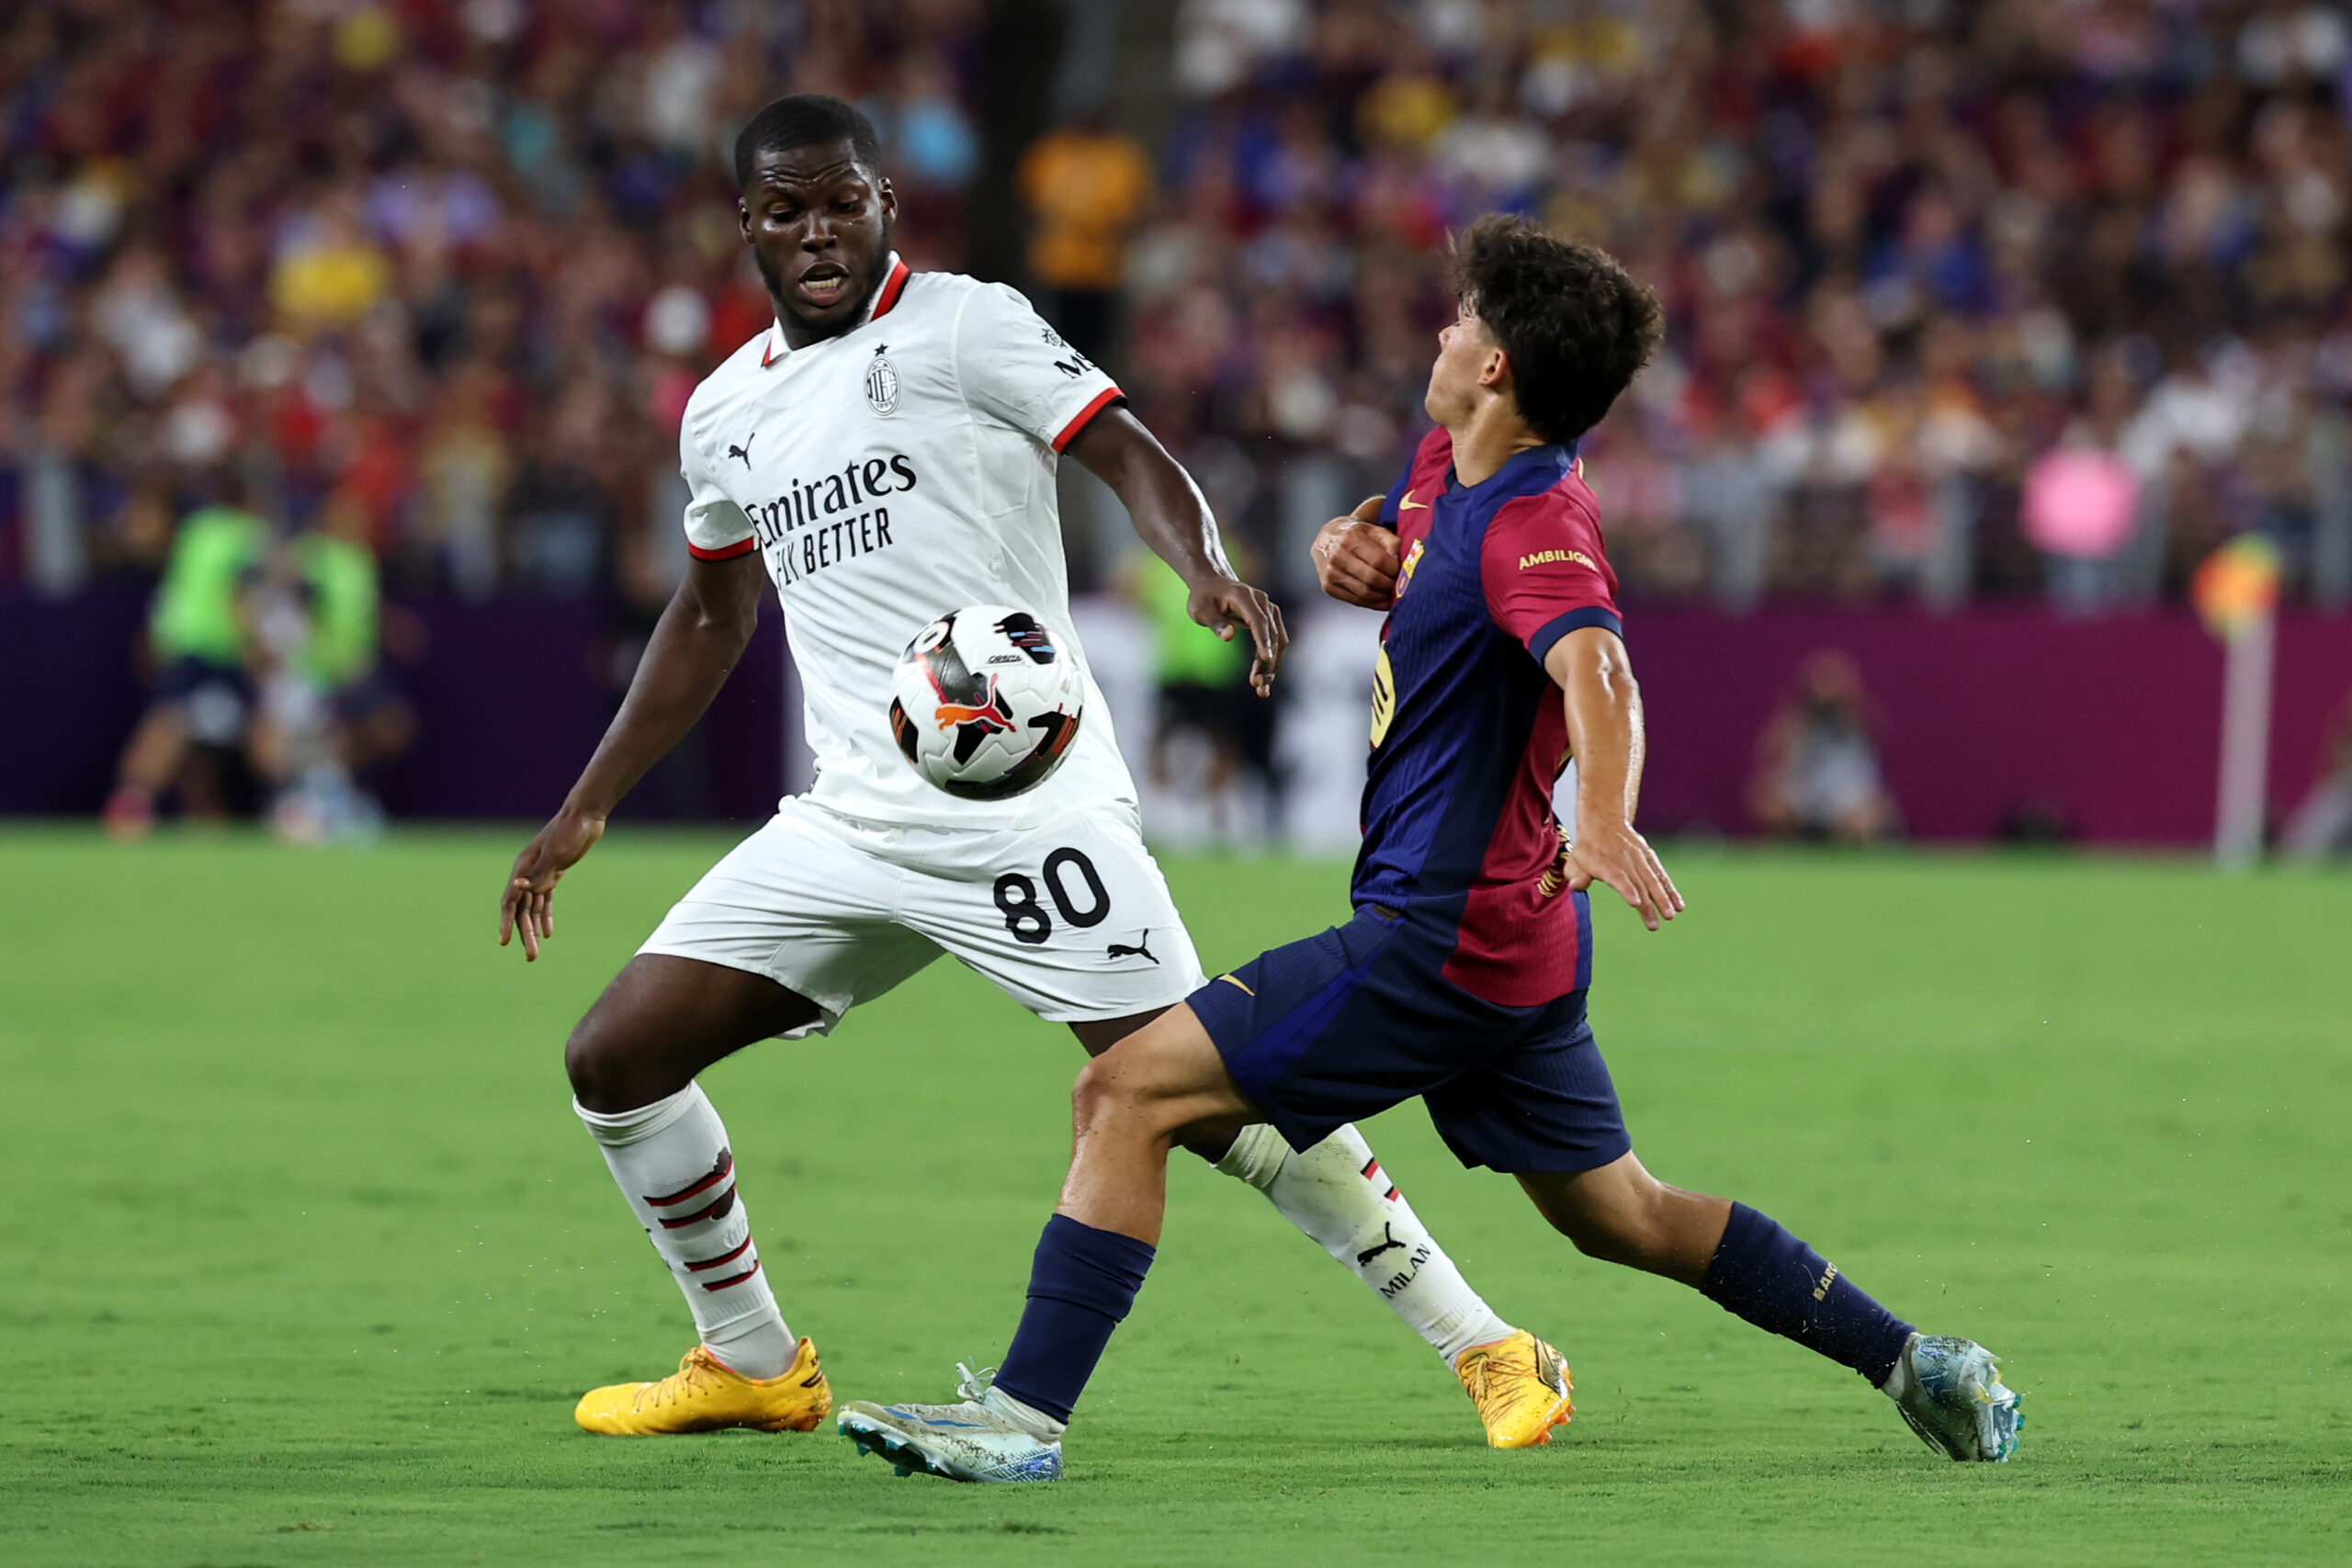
pixel 527 904
pixel 1223 605
pixel 1355 560
pixel 1620 858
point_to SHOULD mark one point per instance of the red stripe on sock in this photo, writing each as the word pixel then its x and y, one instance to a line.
pixel 718 1173
pixel 735 1279
pixel 1370 1169
pixel 722 1258
pixel 711 1211
pixel 1391 1194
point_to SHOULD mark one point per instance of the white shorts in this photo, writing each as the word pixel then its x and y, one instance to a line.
pixel 1072 921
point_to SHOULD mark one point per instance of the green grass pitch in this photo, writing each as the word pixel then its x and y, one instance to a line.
pixel 304 1259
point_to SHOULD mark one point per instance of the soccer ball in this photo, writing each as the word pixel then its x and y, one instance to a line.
pixel 986 702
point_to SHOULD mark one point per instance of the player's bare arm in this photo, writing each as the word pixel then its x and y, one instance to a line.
pixel 1173 518
pixel 1355 558
pixel 704 631
pixel 1605 736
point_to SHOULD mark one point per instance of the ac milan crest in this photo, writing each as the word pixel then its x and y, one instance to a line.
pixel 882 382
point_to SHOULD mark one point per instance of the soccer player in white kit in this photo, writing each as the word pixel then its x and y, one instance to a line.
pixel 886 455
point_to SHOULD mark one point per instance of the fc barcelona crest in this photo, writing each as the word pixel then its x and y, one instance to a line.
pixel 882 382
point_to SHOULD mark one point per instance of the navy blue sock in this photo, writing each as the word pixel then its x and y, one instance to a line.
pixel 1080 1287
pixel 1784 1287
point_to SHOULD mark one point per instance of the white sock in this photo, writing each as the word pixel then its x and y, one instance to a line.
pixel 1336 1194
pixel 1902 1379
pixel 673 1165
pixel 1028 1418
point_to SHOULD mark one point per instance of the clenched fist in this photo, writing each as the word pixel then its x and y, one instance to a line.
pixel 1356 561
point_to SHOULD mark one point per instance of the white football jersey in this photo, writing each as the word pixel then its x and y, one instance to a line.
pixel 888 475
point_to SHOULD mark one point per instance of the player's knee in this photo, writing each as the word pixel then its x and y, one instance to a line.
pixel 1116 1090
pixel 1094 1095
pixel 581 1065
pixel 595 1068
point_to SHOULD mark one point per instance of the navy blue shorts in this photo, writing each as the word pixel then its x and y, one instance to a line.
pixel 215 700
pixel 1340 1026
pixel 187 675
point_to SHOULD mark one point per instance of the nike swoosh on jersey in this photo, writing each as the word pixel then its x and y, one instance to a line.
pixel 1409 503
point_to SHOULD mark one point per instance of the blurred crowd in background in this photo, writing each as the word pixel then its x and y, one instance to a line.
pixel 2010 299
pixel 2019 300
pixel 452 265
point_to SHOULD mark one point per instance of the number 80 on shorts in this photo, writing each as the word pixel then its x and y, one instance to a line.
pixel 1072 885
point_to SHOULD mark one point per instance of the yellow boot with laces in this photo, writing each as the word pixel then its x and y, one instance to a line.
pixel 705 1395
pixel 1520 1387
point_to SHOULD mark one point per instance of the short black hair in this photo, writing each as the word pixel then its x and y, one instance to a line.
pixel 1577 327
pixel 805 119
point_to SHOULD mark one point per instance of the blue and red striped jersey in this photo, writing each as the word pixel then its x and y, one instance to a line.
pixel 1468 732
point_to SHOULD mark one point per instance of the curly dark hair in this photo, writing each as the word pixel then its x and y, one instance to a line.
pixel 1577 327
pixel 805 119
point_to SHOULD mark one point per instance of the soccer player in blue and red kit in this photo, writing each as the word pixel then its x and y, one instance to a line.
pixel 1461 976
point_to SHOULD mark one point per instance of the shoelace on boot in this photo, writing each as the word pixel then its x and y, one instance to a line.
pixel 1495 1366
pixel 695 1373
pixel 970 1384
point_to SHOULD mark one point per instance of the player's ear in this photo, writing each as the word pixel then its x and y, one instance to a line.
pixel 1493 369
pixel 889 197
pixel 743 219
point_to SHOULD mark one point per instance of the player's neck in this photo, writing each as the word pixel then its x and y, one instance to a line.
pixel 799 334
pixel 1491 436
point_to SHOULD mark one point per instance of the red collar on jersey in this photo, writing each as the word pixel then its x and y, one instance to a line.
pixel 884 298
pixel 892 287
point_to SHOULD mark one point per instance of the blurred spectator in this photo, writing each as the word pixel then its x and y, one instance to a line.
pixel 2080 504
pixel 2321 826
pixel 328 711
pixel 1817 771
pixel 200 640
pixel 1085 185
pixel 1213 745
pixel 344 656
pixel 329 273
pixel 463 470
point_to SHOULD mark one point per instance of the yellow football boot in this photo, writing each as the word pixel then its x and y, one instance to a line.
pixel 704 1394
pixel 1520 1387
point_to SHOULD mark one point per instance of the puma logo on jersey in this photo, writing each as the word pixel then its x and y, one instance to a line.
pixel 1545 557
pixel 744 451
pixel 1142 948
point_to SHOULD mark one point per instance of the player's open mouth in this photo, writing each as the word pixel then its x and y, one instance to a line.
pixel 824 284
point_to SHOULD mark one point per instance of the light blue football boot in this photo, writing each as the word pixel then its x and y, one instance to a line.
pixel 987 1437
pixel 1949 1391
